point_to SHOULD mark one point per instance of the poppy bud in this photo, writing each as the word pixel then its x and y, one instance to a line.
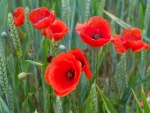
pixel 62 47
pixel 4 34
pixel 31 53
pixel 35 111
pixel 49 58
pixel 22 75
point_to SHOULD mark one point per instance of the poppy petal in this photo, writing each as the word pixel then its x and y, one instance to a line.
pixel 80 27
pixel 141 103
pixel 18 16
pixel 118 44
pixel 96 32
pixel 57 30
pixel 136 45
pixel 56 73
pixel 80 56
pixel 132 33
pixel 148 94
pixel 41 17
pixel 94 43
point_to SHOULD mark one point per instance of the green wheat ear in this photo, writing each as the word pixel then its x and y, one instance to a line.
pixel 102 5
pixel 47 102
pixel 121 72
pixel 146 18
pixel 29 27
pixel 14 35
pixel 65 5
pixel 148 74
pixel 3 73
pixel 87 9
pixel 10 98
pixel 59 105
pixel 93 94
pixel 11 65
pixel 105 87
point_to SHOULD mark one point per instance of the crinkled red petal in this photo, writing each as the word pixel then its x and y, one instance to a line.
pixel 136 45
pixel 18 16
pixel 80 56
pixel 118 44
pixel 132 33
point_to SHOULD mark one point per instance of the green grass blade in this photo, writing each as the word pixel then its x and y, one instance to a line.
pixel 106 101
pixel 34 63
pixel 137 102
pixel 117 20
pixel 145 104
pixel 4 105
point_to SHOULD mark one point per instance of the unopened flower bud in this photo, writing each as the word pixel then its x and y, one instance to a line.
pixel 23 75
pixel 49 58
pixel 31 53
pixel 4 34
pixel 35 111
pixel 62 47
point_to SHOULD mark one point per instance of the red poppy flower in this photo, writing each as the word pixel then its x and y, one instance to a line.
pixel 57 30
pixel 85 66
pixel 18 16
pixel 134 39
pixel 118 43
pixel 131 39
pixel 96 32
pixel 148 96
pixel 63 73
pixel 41 17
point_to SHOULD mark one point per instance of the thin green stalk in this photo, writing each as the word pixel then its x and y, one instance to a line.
pixel 96 63
pixel 44 90
pixel 113 77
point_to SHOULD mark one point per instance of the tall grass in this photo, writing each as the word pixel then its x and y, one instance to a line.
pixel 32 93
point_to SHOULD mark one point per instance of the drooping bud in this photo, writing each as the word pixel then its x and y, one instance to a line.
pixel 23 75
pixel 49 58
pixel 62 47
pixel 31 53
pixel 4 34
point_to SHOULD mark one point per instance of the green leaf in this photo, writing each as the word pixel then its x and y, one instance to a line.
pixel 3 17
pixel 108 105
pixel 137 102
pixel 34 63
pixel 145 104
pixel 145 38
pixel 117 20
pixel 4 105
pixel 143 81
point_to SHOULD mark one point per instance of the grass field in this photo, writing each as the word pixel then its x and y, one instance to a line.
pixel 119 82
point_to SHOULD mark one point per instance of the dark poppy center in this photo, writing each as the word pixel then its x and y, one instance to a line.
pixel 97 36
pixel 70 74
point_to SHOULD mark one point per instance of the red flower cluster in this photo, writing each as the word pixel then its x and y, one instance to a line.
pixel 42 19
pixel 64 71
pixel 131 39
pixel 97 32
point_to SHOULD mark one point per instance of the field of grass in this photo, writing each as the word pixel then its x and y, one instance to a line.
pixel 119 82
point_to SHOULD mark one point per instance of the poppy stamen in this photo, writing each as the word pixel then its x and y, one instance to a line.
pixel 70 74
pixel 97 36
